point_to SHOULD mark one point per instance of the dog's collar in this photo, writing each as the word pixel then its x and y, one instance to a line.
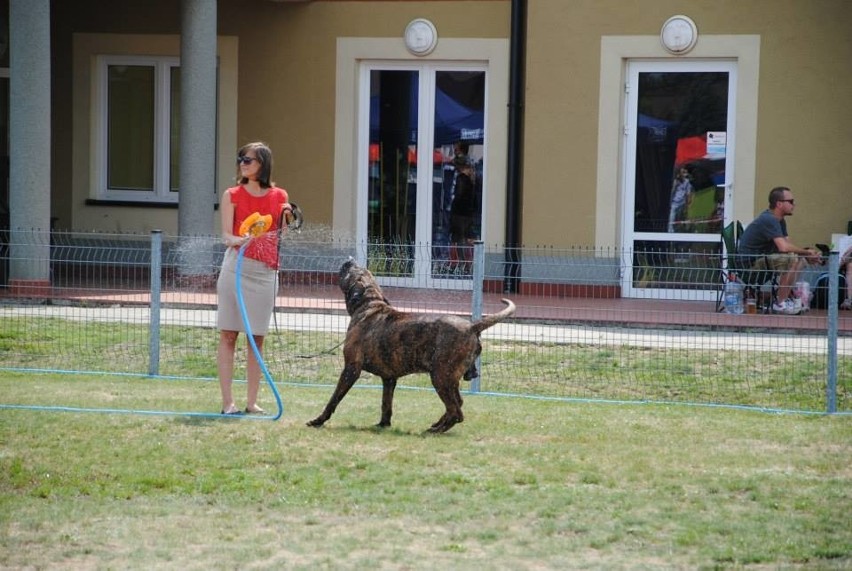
pixel 361 299
pixel 349 291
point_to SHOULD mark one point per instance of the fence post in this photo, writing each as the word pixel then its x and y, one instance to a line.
pixel 156 270
pixel 833 281
pixel 476 300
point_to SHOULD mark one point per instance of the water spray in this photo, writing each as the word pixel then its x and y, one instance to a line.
pixel 254 229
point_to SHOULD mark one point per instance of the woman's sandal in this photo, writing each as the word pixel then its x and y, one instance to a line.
pixel 231 412
pixel 255 410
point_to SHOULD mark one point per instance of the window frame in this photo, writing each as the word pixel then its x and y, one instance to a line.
pixel 163 65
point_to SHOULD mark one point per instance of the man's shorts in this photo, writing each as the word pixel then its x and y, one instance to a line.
pixel 776 262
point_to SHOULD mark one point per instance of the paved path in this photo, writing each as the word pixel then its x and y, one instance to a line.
pixel 594 333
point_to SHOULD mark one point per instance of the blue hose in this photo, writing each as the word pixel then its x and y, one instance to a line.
pixel 242 305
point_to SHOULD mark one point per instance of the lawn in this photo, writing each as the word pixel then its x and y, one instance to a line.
pixel 522 484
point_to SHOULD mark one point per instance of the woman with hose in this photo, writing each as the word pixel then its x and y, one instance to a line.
pixel 251 212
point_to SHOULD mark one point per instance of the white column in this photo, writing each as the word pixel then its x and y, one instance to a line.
pixel 197 118
pixel 29 141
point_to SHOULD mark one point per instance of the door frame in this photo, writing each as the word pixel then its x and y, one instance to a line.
pixel 615 52
pixel 628 168
pixel 492 53
pixel 422 275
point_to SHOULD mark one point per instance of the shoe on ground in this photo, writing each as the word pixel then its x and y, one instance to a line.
pixel 788 307
pixel 847 304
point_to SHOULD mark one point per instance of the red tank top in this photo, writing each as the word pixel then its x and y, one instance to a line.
pixel 263 248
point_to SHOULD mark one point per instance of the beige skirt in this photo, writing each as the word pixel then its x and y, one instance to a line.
pixel 259 286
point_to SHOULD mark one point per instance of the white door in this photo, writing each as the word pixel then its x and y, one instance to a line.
pixel 679 149
pixel 422 127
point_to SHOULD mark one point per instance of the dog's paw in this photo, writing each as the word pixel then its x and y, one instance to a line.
pixel 445 423
pixel 317 422
pixel 439 427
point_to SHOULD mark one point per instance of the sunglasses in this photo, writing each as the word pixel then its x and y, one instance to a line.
pixel 790 200
pixel 246 160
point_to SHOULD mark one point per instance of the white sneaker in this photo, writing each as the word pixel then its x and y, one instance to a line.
pixel 788 307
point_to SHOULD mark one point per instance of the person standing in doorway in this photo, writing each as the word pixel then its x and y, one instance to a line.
pixel 255 194
pixel 681 195
pixel 462 213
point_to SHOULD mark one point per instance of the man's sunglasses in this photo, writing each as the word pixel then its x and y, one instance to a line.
pixel 790 200
pixel 246 160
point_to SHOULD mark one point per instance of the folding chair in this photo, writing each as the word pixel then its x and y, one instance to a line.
pixel 729 240
pixel 755 280
pixel 741 266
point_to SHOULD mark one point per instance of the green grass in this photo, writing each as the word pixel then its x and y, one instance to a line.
pixel 521 484
pixel 737 376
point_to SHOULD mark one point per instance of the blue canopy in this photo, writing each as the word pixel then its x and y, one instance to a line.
pixel 453 121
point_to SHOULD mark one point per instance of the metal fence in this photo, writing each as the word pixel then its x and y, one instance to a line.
pixel 146 304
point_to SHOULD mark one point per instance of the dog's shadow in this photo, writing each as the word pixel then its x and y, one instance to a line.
pixel 392 431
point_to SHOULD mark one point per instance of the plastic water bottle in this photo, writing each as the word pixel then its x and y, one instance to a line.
pixel 733 295
pixel 802 290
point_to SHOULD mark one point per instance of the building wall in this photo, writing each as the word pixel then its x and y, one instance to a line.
pixel 98 16
pixel 286 96
pixel 287 77
pixel 803 124
pixel 286 85
pixel 126 218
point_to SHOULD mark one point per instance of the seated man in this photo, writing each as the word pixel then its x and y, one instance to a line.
pixel 765 242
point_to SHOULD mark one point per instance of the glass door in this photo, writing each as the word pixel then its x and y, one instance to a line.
pixel 679 137
pixel 423 176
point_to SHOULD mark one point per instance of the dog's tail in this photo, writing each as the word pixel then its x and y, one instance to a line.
pixel 494 318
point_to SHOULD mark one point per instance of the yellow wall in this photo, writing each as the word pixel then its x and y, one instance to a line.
pixel 286 94
pixel 285 86
pixel 287 76
pixel 803 122
pixel 83 176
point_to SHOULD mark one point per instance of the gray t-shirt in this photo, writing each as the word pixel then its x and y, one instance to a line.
pixel 758 237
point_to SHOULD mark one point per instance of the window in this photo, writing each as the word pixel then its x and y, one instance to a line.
pixel 139 128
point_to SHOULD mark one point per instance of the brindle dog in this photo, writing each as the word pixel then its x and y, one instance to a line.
pixel 391 344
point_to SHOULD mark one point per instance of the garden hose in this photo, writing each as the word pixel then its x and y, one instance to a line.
pixel 242 305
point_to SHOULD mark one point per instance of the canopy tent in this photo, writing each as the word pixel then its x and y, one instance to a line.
pixel 453 121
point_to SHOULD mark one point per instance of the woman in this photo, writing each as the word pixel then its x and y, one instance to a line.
pixel 255 193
